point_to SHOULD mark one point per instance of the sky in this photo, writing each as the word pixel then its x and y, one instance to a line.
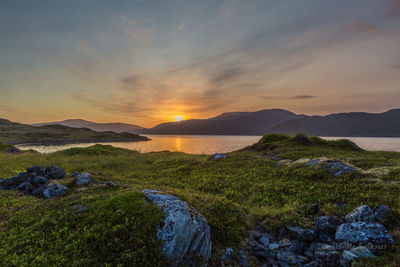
pixel 146 62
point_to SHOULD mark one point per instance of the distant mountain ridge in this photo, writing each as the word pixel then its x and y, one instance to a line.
pixel 351 124
pixel 117 127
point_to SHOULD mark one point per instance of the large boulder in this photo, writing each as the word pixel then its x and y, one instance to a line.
pixel 328 223
pixel 361 214
pixel 185 233
pixel 54 172
pixel 363 233
pixel 54 190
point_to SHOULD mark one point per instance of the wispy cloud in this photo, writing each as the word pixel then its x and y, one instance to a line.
pixel 296 97
pixel 360 27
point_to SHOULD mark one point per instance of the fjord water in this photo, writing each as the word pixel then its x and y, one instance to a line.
pixel 210 144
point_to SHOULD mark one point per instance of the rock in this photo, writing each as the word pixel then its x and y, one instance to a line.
pixel 29 188
pixel 38 191
pixel 327 259
pixel 185 233
pixel 336 168
pixel 326 237
pixel 328 223
pixel 36 169
pixel 83 179
pixel 273 246
pixel 359 252
pixel 283 162
pixel 227 257
pixel 39 180
pixel 54 190
pixel 264 241
pixel 361 214
pixel 312 163
pixel 363 233
pixel 301 234
pixel 108 183
pixel 380 212
pixel 218 156
pixel 54 172
pixel 302 139
pixel 242 259
pixel 311 264
pixel 287 256
pixel 75 173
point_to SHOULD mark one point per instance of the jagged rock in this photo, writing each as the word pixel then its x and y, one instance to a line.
pixel 185 233
pixel 301 234
pixel 242 258
pixel 359 252
pixel 54 172
pixel 363 233
pixel 328 223
pixel 380 212
pixel 361 214
pixel 83 179
pixel 36 169
pixel 227 257
pixel 336 168
pixel 54 190
pixel 108 183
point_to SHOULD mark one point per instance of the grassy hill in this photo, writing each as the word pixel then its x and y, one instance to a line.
pixel 16 133
pixel 234 194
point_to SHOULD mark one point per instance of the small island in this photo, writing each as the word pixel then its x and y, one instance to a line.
pixel 17 133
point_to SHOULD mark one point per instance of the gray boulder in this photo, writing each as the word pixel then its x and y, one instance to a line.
pixel 185 233
pixel 83 179
pixel 328 223
pixel 363 233
pixel 54 172
pixel 380 212
pixel 54 190
pixel 361 214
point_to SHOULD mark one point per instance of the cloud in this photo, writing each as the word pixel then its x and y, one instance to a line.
pixel 395 66
pixel 140 30
pixel 296 97
pixel 393 9
pixel 360 27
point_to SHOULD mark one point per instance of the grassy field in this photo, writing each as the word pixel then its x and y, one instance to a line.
pixel 234 194
pixel 16 133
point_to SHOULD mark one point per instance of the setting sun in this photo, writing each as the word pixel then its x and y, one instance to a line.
pixel 178 118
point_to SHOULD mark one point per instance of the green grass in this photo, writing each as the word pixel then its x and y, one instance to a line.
pixel 234 194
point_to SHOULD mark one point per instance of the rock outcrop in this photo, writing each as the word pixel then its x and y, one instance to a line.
pixel 185 233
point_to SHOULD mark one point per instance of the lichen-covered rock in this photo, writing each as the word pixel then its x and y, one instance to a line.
pixel 54 172
pixel 54 190
pixel 361 214
pixel 359 252
pixel 363 233
pixel 336 168
pixel 328 223
pixel 185 233
pixel 380 212
pixel 83 179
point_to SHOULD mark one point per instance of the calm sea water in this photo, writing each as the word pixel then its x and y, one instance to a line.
pixel 210 144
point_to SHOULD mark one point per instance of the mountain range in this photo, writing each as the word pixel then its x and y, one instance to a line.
pixel 352 124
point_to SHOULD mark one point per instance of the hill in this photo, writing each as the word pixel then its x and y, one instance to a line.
pixel 386 124
pixel 117 127
pixel 17 133
pixel 234 123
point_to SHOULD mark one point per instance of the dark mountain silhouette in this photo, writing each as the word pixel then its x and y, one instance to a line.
pixel 116 127
pixel 385 124
pixel 232 123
